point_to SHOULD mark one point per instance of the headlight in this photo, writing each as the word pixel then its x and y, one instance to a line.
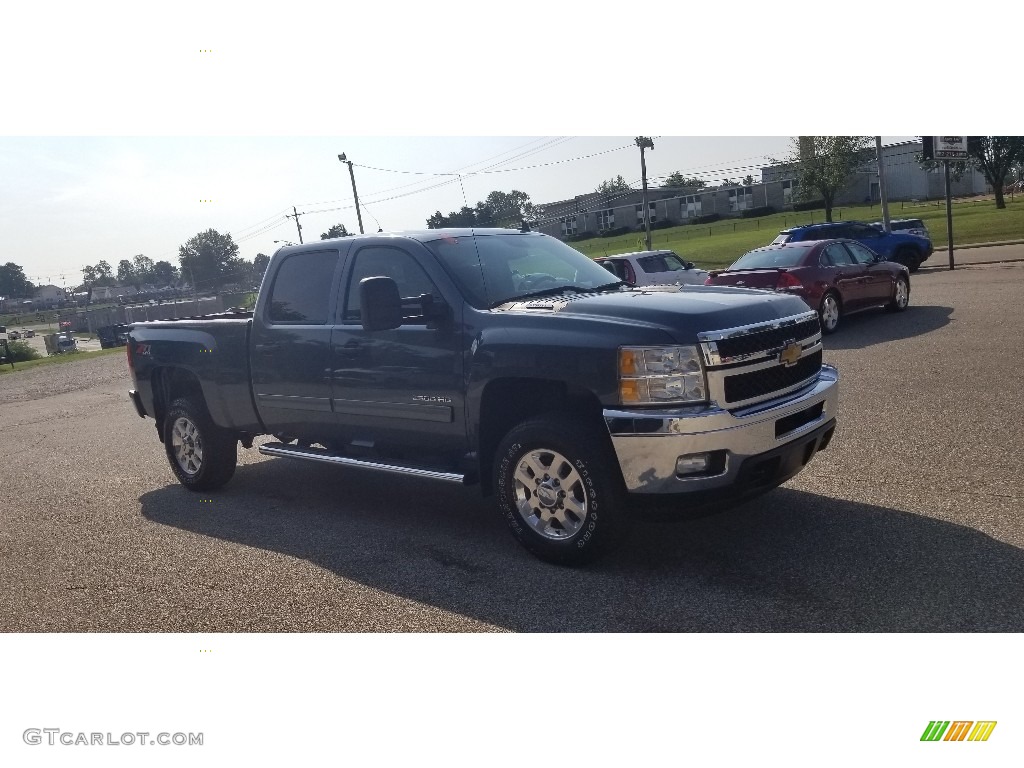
pixel 652 375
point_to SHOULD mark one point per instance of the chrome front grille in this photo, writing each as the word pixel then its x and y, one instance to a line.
pixel 745 365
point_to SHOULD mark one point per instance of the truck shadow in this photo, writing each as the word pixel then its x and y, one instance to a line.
pixel 876 326
pixel 789 561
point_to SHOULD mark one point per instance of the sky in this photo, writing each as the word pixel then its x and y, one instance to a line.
pixel 68 202
pixel 157 125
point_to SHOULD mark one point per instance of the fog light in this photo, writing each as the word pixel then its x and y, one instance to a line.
pixel 692 464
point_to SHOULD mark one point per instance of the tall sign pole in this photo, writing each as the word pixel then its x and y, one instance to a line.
pixel 946 149
pixel 949 216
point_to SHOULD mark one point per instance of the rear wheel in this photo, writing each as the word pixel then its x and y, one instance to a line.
pixel 559 491
pixel 201 454
pixel 900 295
pixel 829 312
pixel 909 258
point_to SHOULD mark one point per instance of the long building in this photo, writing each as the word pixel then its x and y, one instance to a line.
pixel 594 213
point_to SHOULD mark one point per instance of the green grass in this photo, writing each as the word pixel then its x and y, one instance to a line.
pixel 721 243
pixel 64 359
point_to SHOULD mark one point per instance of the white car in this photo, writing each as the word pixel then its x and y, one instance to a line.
pixel 905 226
pixel 645 268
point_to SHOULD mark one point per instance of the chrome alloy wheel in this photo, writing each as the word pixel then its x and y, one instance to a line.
pixel 549 494
pixel 902 294
pixel 187 444
pixel 830 312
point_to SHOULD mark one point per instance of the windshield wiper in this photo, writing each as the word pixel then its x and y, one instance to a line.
pixel 558 290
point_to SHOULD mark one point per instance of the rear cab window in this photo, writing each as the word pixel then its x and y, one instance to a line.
pixel 772 258
pixel 301 293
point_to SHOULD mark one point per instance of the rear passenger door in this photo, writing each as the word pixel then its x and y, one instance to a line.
pixel 291 345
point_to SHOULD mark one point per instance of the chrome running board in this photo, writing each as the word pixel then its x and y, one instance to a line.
pixel 315 454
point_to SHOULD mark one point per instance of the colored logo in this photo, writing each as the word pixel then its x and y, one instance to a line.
pixel 958 730
pixel 790 353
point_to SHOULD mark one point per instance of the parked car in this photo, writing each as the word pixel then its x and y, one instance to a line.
pixel 13 335
pixel 643 268
pixel 834 277
pixel 501 359
pixel 909 250
pixel 905 226
pixel 28 333
pixel 113 335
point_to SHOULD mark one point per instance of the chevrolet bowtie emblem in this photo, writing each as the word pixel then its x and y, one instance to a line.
pixel 790 353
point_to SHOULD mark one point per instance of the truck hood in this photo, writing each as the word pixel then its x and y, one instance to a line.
pixel 683 313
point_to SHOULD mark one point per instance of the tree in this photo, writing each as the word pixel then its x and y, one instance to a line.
pixel 210 260
pixel 259 265
pixel 143 268
pixel 98 275
pixel 677 179
pixel 13 282
pixel 498 209
pixel 824 164
pixel 338 230
pixel 995 157
pixel 613 186
pixel 748 179
pixel 125 272
pixel 504 209
pixel 163 273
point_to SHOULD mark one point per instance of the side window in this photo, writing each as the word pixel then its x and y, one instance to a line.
pixel 384 261
pixel 301 292
pixel 861 255
pixel 835 256
pixel 865 233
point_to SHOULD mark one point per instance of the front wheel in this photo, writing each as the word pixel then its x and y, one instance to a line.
pixel 559 490
pixel 900 295
pixel 829 313
pixel 201 454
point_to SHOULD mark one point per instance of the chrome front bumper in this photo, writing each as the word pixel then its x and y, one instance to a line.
pixel 648 443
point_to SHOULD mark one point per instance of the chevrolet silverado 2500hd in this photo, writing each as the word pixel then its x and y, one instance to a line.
pixel 500 358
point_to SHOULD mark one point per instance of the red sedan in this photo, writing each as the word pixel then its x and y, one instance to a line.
pixel 835 277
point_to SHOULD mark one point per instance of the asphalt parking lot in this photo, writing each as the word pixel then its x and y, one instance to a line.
pixel 910 521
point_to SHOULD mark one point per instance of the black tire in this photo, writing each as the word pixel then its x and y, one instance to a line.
pixel 582 468
pixel 908 257
pixel 201 454
pixel 899 301
pixel 830 312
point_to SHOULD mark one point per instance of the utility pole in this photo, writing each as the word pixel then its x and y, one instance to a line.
pixel 297 225
pixel 645 142
pixel 352 175
pixel 882 194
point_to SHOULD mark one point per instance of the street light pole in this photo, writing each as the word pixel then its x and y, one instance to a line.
pixel 645 142
pixel 355 194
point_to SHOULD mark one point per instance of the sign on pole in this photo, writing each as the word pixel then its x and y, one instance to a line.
pixel 950 147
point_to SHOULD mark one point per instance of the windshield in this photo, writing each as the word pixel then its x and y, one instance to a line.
pixel 772 258
pixel 493 269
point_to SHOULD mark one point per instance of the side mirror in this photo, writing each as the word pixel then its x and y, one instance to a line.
pixel 689 264
pixel 380 304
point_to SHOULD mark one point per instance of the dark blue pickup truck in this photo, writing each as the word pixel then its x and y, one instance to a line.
pixel 500 358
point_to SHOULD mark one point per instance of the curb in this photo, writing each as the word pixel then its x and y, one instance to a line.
pixel 984 245
pixel 961 265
